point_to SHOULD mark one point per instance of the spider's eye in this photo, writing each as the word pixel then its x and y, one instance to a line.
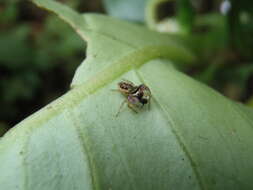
pixel 123 86
pixel 126 87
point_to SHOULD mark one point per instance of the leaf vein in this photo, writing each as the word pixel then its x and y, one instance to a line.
pixel 178 138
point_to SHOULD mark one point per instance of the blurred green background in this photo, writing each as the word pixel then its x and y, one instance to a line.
pixel 39 53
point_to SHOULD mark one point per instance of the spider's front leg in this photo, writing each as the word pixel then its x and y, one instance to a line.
pixel 132 107
pixel 121 106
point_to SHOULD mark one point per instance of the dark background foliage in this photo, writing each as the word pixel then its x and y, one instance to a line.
pixel 39 53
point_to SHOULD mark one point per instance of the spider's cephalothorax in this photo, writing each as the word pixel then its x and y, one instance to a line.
pixel 136 96
pixel 127 87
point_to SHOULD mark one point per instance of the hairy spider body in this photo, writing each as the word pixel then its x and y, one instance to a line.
pixel 136 96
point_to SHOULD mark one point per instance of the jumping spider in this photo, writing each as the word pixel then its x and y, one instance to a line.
pixel 136 96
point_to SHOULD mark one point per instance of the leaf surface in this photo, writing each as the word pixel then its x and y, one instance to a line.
pixel 191 137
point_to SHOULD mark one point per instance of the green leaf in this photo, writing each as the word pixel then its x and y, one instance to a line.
pixel 191 138
pixel 102 32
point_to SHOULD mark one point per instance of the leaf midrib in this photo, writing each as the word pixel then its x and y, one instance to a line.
pixel 95 82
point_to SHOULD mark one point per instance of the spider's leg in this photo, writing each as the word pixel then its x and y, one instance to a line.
pixel 132 107
pixel 149 102
pixel 120 108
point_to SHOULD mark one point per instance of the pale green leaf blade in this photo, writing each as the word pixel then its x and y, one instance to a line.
pixel 113 37
pixel 187 140
pixel 108 43
pixel 214 131
pixel 191 138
